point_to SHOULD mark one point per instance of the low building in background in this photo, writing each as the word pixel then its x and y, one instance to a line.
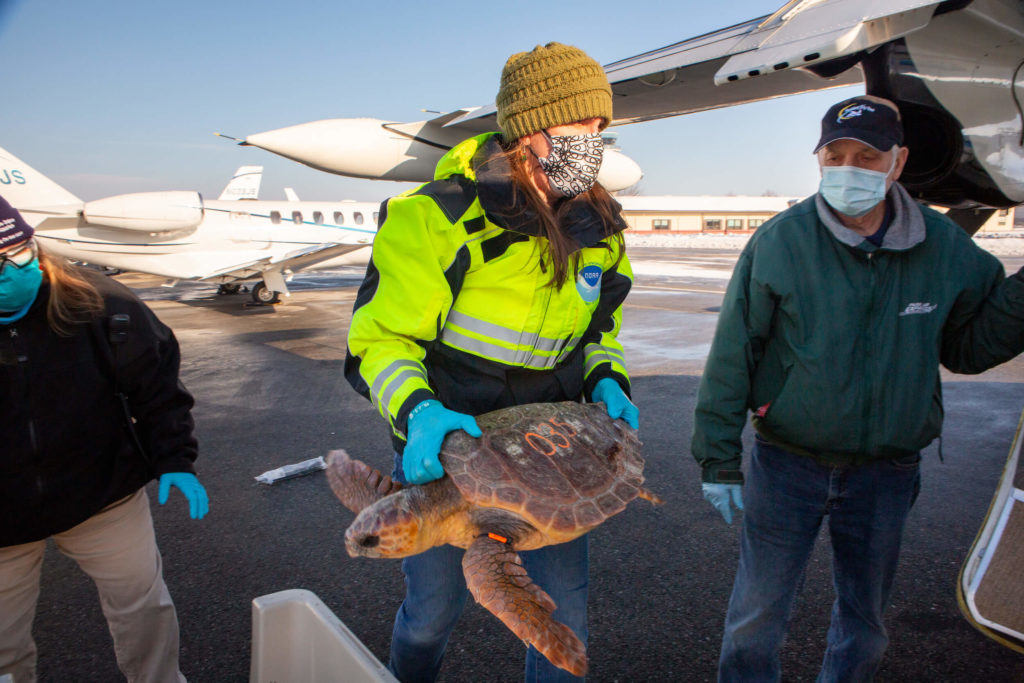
pixel 704 214
pixel 724 215
pixel 1001 221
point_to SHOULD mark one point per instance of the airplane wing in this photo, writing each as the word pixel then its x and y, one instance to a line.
pixel 807 45
pixel 209 265
pixel 295 260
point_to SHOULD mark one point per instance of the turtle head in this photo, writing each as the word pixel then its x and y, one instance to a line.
pixel 388 528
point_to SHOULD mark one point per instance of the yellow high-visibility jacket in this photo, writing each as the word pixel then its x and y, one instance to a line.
pixel 456 305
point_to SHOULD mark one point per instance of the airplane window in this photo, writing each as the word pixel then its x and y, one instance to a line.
pixel 358 218
pixel 318 218
pixel 297 217
pixel 275 217
pixel 376 216
pixel 339 217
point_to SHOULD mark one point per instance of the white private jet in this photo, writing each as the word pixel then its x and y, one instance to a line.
pixel 952 67
pixel 180 236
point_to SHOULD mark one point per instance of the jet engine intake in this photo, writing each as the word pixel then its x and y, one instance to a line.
pixel 936 144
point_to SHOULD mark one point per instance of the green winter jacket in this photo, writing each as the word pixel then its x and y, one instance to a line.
pixel 457 304
pixel 835 344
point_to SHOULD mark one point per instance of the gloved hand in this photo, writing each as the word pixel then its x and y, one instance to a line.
pixel 198 503
pixel 614 398
pixel 719 495
pixel 429 423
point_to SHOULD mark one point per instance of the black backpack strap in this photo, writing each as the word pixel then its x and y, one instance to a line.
pixel 108 336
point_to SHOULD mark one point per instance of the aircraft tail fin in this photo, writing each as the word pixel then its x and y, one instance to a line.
pixel 289 193
pixel 245 184
pixel 24 187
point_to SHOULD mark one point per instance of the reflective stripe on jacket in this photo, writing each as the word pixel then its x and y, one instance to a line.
pixel 457 305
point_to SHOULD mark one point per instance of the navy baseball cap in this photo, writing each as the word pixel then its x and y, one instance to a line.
pixel 859 118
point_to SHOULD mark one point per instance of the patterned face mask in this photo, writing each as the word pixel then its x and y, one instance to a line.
pixel 573 162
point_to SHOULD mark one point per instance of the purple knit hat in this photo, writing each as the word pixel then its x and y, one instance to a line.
pixel 13 228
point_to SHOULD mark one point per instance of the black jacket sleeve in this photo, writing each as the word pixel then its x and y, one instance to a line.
pixel 147 362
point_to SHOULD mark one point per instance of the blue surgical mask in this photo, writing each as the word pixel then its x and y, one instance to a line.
pixel 853 191
pixel 18 289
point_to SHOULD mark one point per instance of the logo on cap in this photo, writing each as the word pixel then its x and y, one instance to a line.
pixel 852 111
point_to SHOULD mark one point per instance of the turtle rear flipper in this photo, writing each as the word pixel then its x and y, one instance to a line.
pixel 356 484
pixel 496 578
pixel 651 497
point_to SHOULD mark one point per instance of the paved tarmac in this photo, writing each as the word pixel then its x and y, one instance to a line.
pixel 270 391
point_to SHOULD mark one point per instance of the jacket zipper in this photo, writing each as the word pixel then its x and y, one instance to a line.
pixel 866 426
pixel 32 437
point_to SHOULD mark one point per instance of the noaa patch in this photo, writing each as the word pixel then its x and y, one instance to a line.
pixel 588 283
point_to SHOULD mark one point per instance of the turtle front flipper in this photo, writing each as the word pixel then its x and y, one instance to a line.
pixel 496 578
pixel 356 484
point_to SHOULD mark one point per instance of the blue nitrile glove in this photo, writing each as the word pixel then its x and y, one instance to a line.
pixel 609 392
pixel 719 495
pixel 198 503
pixel 429 423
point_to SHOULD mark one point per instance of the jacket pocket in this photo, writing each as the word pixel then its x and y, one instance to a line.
pixel 907 463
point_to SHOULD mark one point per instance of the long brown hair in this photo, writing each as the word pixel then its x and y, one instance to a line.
pixel 563 252
pixel 73 299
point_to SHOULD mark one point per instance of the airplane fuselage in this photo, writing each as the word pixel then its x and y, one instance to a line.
pixel 230 235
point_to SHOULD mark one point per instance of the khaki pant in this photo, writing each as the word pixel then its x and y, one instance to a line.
pixel 117 549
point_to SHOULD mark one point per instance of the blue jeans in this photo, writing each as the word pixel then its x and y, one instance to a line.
pixel 435 594
pixel 785 497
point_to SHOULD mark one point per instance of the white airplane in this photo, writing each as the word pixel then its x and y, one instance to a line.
pixel 180 236
pixel 953 68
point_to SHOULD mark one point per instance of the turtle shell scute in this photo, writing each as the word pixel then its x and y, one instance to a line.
pixel 564 467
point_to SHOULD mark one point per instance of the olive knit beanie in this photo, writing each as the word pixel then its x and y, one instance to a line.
pixel 551 86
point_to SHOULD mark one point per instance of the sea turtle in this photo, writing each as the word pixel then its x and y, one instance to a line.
pixel 541 474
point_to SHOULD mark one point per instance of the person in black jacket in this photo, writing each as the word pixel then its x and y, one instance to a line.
pixel 91 409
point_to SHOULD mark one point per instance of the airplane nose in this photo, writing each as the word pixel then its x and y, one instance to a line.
pixel 361 148
pixel 618 171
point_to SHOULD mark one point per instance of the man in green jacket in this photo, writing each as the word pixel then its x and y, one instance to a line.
pixel 833 326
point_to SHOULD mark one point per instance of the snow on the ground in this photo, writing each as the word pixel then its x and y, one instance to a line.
pixel 999 244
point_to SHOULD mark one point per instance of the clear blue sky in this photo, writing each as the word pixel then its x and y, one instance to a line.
pixel 124 96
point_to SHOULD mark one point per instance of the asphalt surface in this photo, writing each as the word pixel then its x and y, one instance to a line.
pixel 270 391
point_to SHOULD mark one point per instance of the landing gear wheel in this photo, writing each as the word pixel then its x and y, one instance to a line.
pixel 262 294
pixel 233 288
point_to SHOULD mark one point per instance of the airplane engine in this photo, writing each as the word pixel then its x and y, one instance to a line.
pixel 147 211
pixel 961 116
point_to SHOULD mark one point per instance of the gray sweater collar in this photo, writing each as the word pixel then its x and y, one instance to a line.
pixel 905 231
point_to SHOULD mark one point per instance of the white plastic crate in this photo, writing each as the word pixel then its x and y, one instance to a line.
pixel 297 639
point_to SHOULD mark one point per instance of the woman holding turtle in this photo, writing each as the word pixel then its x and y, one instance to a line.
pixel 500 283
